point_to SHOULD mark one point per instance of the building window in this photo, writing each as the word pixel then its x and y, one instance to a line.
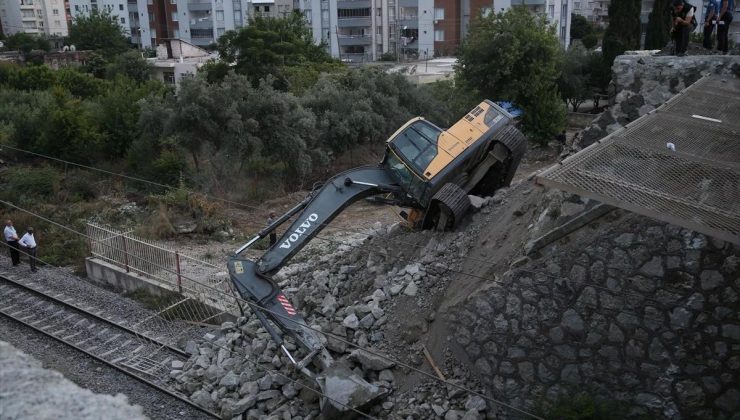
pixel 176 33
pixel 168 77
pixel 77 7
pixel 238 16
pixel 439 35
pixel 325 16
pixel 486 11
pixel 577 5
pixel 120 7
pixel 406 13
pixel 55 12
pixel 267 9
pixel 379 31
pixel 151 17
pixel 173 1
pixel 219 15
pixel 57 23
pixel 379 12
pixel 174 16
pixel 551 11
pixel 123 20
pixel 439 13
pixel 220 31
pixel 307 15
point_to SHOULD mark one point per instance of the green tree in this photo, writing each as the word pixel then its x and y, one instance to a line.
pixel 623 32
pixel 659 25
pixel 589 41
pixel 32 78
pixel 100 31
pixel 579 27
pixel 131 65
pixel 95 64
pixel 116 113
pixel 68 131
pixel 574 78
pixel 515 56
pixel 265 46
pixel 81 85
pixel 26 43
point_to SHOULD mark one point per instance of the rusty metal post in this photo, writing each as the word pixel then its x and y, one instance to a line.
pixel 125 253
pixel 179 277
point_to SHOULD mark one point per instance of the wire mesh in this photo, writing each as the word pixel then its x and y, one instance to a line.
pixel 696 186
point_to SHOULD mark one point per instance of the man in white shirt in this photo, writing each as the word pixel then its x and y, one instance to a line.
pixel 11 238
pixel 29 243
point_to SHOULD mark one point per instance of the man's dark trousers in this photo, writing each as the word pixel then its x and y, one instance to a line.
pixel 32 258
pixel 708 32
pixel 681 36
pixel 15 256
pixel 722 44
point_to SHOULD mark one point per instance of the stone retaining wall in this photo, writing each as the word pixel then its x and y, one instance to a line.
pixel 645 315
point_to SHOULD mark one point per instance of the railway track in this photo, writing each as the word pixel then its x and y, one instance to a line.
pixel 141 356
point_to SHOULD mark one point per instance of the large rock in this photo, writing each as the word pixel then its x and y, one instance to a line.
pixel 370 361
pixel 572 322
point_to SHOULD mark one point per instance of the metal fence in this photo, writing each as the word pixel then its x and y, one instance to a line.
pixel 196 280
pixel 679 164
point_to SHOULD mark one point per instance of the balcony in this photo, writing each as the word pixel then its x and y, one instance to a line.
pixel 408 3
pixel 202 42
pixel 353 4
pixel 201 34
pixel 199 5
pixel 347 40
pixel 359 22
pixel 201 24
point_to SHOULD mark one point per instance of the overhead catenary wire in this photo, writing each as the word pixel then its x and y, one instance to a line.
pixel 266 310
pixel 246 357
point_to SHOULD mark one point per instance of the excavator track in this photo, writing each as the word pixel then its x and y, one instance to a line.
pixel 453 204
pixel 515 141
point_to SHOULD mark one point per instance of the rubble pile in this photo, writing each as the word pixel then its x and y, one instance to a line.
pixel 345 289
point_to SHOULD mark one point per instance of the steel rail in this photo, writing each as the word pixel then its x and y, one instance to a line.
pixel 97 317
pixel 94 356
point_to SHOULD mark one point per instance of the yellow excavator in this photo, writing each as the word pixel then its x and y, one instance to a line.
pixel 426 169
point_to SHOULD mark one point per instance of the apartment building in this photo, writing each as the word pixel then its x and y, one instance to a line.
pixel 597 12
pixel 36 17
pixel 200 22
pixel 364 30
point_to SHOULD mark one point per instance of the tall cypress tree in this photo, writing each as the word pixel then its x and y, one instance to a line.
pixel 623 32
pixel 659 25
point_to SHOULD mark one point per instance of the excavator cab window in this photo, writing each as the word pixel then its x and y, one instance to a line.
pixel 418 144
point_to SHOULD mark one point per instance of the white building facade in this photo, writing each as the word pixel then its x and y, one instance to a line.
pixel 35 17
pixel 365 30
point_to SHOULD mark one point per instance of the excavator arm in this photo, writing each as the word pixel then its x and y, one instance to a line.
pixel 254 283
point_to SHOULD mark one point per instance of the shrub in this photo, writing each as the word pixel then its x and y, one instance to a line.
pixel 40 182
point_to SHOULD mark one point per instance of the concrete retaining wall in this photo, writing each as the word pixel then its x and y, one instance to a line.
pixel 112 276
pixel 109 275
pixel 28 391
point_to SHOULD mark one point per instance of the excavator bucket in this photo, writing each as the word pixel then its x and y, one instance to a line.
pixel 346 394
